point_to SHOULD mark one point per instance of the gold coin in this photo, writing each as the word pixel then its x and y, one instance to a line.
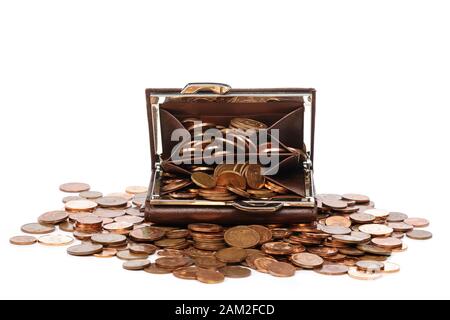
pixel 241 237
pixel 37 228
pixel 281 269
pixel 55 240
pixel 417 222
pixel 74 187
pixel 136 189
pixel 81 205
pixel 136 265
pixel 85 249
pixel 23 240
pixel 338 221
pixel 376 229
pixel 354 273
pixel 235 272
pixel 107 253
pixel 53 217
pixel 210 276
pixel 203 180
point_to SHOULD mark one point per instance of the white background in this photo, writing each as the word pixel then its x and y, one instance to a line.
pixel 72 107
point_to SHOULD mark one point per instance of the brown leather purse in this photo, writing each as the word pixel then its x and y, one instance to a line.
pixel 291 111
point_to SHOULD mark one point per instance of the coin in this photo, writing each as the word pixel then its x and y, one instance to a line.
pixel 281 269
pixel 332 269
pixel 111 202
pixel 335 230
pixel 403 248
pixel 417 222
pixel 80 205
pixel 388 242
pixel 323 251
pixel 109 239
pixel 186 273
pixel 400 226
pixel 85 249
pixel 154 269
pixel 354 273
pixel 369 266
pixel 396 217
pixel 235 272
pixel 91 195
pixel 135 212
pixel 143 248
pixel 55 240
pixel 419 235
pixel 71 198
pixel 350 251
pixel 338 221
pixel 375 250
pixel 358 198
pixel 245 124
pixel 390 267
pixel 255 179
pixel 275 187
pixel 239 192
pixel 129 219
pixel 177 234
pixel 66 226
pixel 135 265
pixel 172 187
pixel 37 228
pixel 182 195
pixel 231 255
pixel 203 180
pixel 23 240
pixel 109 213
pixel 83 236
pixel 128 255
pixel 53 217
pixel 241 237
pixel 376 229
pixel 378 213
pixel 209 276
pixel 209 262
pixel 147 234
pixel 265 235
pixel 124 195
pixel 118 227
pixel 262 263
pixel 204 227
pixel 362 218
pixel 74 187
pixel 333 203
pixel 136 189
pixel 306 260
pixel 172 262
pixel 233 179
pixel 106 253
pixel 277 248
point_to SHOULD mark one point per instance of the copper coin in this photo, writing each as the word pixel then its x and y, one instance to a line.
pixel 336 258
pixel 353 238
pixel 129 219
pixel 82 235
pixel 109 213
pixel 154 269
pixel 147 234
pixel 400 226
pixel 128 255
pixel 338 221
pixel 376 229
pixel 358 198
pixel 323 251
pixel 262 263
pixel 80 205
pixel 118 227
pixel 275 187
pixel 235 272
pixel 332 269
pixel 106 253
pixel 307 260
pixel 255 179
pixel 335 230
pixel 402 249
pixel 210 276
pixel 67 226
pixel 91 195
pixel 362 218
pixel 23 240
pixel 419 235
pixel 124 195
pixel 354 273
pixel 350 251
pixel 37 228
pixel 205 227
pixel 281 269
pixel 111 202
pixel 265 235
pixel 203 180
pixel 74 187
pixel 209 262
pixel 171 253
pixel 186 273
pixel 91 220
pixel 136 189
pixel 172 187
pixel 177 234
pixel 390 267
pixel 417 222
pixel 375 250
pixel 245 124
pixel 232 179
pixel 135 212
pixel 143 248
pixel 348 210
pixel 241 237
pixel 231 255
pixel 183 195
pixel 135 265
pixel 55 240
pixel 378 213
pixel 73 217
pixel 53 217
pixel 398 234
pixel 277 248
pixel 85 249
pixel 335 204
pixel 71 198
pixel 239 192
pixel 369 266
pixel 172 262
pixel 109 239
pixel 396 217
pixel 388 242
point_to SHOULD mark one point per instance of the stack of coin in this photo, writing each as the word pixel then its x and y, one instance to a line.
pixel 209 237
pixel 354 242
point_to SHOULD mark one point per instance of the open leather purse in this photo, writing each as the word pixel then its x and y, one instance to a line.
pixel 290 111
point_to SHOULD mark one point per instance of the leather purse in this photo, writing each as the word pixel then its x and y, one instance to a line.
pixel 290 111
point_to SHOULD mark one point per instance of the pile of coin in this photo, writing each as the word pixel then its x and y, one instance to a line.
pixel 349 237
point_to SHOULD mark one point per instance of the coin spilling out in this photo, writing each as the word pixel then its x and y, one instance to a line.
pixel 350 236
pixel 74 187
